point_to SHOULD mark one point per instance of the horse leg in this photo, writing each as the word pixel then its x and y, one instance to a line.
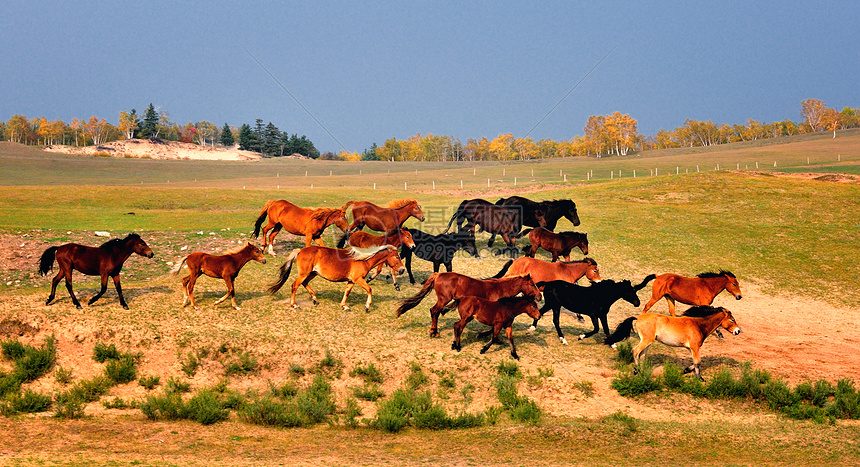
pixel 68 277
pixel 496 330
pixel 556 314
pixel 275 229
pixel 447 266
pixel 299 281
pixel 694 350
pixel 407 256
pixel 671 302
pixel 510 333
pixel 650 304
pixel 349 287
pixel 231 292
pixel 492 239
pixel 104 278
pixel 458 331
pixel 594 331
pixel 119 292
pixel 56 280
pixel 188 284
pixel 435 310
pixel 393 277
pixel 364 285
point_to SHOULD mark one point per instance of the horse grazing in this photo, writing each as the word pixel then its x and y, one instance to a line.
pixel 298 221
pixel 559 244
pixel 688 330
pixel 545 271
pixel 225 266
pixel 361 239
pixel 384 219
pixel 506 221
pixel 453 286
pixel 496 314
pixel 438 249
pixel 105 261
pixel 699 290
pixel 594 301
pixel 552 211
pixel 335 265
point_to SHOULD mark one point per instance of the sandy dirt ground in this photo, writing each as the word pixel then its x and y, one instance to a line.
pixel 159 149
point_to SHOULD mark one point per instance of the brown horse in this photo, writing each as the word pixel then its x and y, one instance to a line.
pixel 688 330
pixel 699 290
pixel 298 221
pixel 503 220
pixel 384 219
pixel 361 239
pixel 559 244
pixel 496 314
pixel 335 265
pixel 105 261
pixel 225 266
pixel 545 271
pixel 453 286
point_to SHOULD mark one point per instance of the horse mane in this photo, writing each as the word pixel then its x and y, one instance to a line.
pixel 237 250
pixel 703 311
pixel 711 275
pixel 115 242
pixel 584 260
pixel 399 203
pixel 321 214
pixel 515 301
pixel 361 254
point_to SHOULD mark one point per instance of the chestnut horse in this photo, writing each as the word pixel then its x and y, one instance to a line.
pixel 688 330
pixel 361 239
pixel 335 265
pixel 552 211
pixel 496 314
pixel 453 286
pixel 559 244
pixel 298 221
pixel 699 290
pixel 226 266
pixel 544 271
pixel 594 301
pixel 503 220
pixel 105 261
pixel 384 219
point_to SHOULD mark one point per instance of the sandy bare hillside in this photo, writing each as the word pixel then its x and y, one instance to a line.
pixel 159 149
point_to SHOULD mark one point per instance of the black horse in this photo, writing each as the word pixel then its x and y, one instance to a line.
pixel 552 211
pixel 438 249
pixel 506 221
pixel 594 300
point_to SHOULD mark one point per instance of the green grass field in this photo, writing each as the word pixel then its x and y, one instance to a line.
pixel 791 236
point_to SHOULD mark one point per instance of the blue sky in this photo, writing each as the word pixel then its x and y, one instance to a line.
pixel 372 71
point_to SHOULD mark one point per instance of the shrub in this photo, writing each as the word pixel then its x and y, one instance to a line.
pixel 724 386
pixel 68 406
pixel 177 386
pixel 316 403
pixel 116 403
pixel 13 349
pixel 297 370
pixel 287 391
pixel 777 395
pixel 673 376
pixel 519 407
pixel 268 411
pixel 417 378
pixel 205 408
pixel 32 363
pixel 351 413
pixel 103 352
pixel 625 353
pixel 63 376
pixel 245 364
pixel 9 384
pixel 508 368
pixel 368 392
pixel 846 403
pixel 369 373
pixel 634 383
pixel 189 364
pixel 28 402
pixel 149 382
pixel 90 390
pixel 167 406
pixel 122 370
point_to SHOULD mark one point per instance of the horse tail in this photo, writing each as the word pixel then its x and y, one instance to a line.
pixel 178 267
pixel 341 243
pixel 285 272
pixel 451 306
pixel 648 278
pixel 262 218
pixel 505 268
pixel 347 205
pixel 456 214
pixel 46 262
pixel 413 301
pixel 525 232
pixel 621 332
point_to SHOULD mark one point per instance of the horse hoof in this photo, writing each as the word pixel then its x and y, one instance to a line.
pixel 397 287
pixel 614 346
pixel 346 308
pixel 532 328
pixel 581 336
pixel 580 318
pixel 79 307
pixel 367 309
pixel 315 302
pixel 564 341
pixel 295 307
pixel 125 307
pixel 516 357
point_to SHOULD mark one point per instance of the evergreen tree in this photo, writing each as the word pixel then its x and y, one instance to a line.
pixel 246 137
pixel 150 121
pixel 370 154
pixel 270 142
pixel 227 136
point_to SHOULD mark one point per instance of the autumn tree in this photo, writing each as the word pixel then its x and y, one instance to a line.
pixel 128 123
pixel 812 112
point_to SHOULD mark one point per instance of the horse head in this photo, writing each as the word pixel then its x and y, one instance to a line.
pixel 256 253
pixel 732 285
pixel 417 212
pixel 628 293
pixel 583 243
pixel 571 214
pixel 392 259
pixel 406 239
pixel 467 243
pixel 338 218
pixel 728 323
pixel 529 288
pixel 593 272
pixel 541 217
pixel 139 246
pixel 532 310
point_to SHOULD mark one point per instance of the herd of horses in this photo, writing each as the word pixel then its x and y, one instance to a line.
pixel 359 256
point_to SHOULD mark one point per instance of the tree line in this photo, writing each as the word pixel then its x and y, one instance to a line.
pixel 613 134
pixel 266 140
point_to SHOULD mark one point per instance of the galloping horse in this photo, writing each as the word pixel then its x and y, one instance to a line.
pixel 699 290
pixel 105 261
pixel 226 266
pixel 298 221
pixel 496 314
pixel 452 286
pixel 503 220
pixel 559 244
pixel 361 239
pixel 544 271
pixel 335 265
pixel 387 219
pixel 688 330
pixel 438 249
pixel 552 211
pixel 594 301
